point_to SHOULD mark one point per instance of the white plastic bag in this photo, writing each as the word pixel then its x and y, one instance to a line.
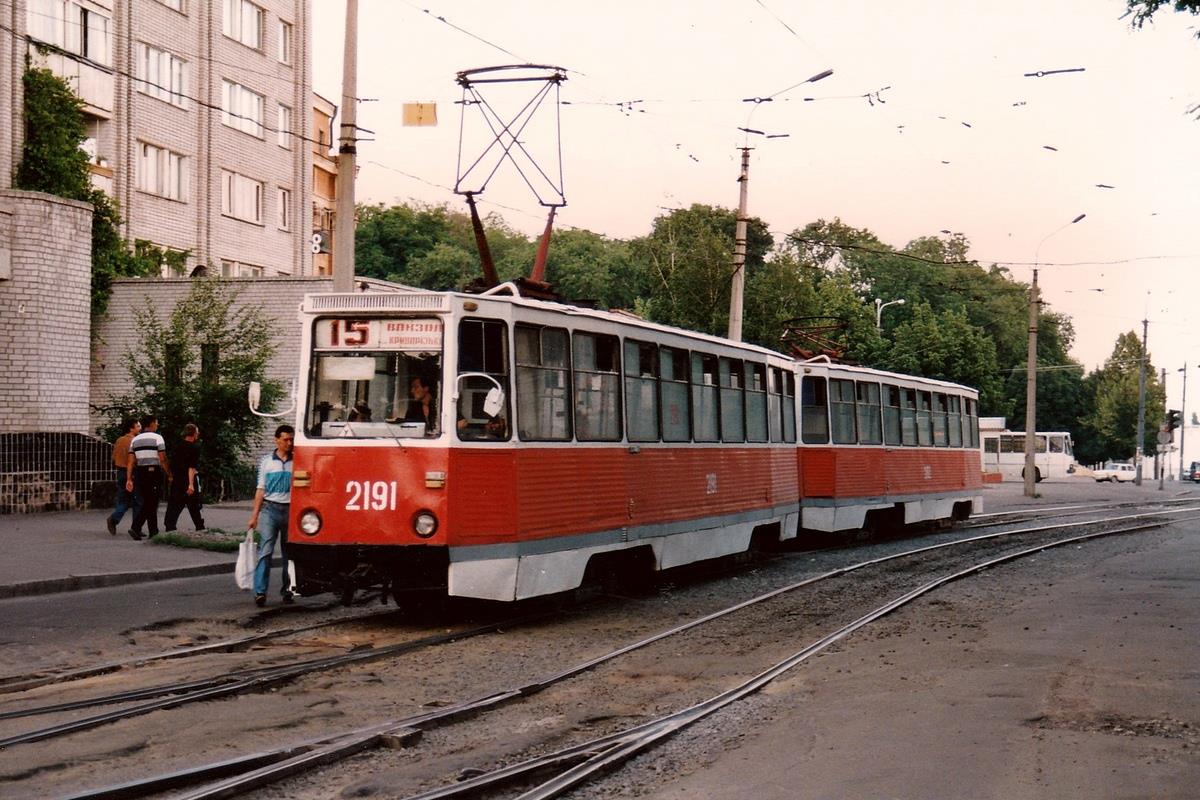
pixel 243 573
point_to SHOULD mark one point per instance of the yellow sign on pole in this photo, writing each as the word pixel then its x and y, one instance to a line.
pixel 420 115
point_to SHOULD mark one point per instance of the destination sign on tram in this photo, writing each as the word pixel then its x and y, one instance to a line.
pixel 378 334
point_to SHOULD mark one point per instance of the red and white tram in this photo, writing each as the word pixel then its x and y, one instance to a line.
pixel 494 446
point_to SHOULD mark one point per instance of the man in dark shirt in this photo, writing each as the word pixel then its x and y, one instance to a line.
pixel 185 486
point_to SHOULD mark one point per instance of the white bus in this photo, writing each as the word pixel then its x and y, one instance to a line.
pixel 1004 452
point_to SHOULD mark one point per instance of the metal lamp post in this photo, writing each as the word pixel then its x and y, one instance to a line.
pixel 880 306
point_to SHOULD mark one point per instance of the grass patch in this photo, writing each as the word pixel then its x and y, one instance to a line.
pixel 217 540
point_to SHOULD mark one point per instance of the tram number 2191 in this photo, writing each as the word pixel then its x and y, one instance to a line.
pixel 371 496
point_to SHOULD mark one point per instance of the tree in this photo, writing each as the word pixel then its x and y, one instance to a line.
pixel 194 367
pixel 1110 429
pixel 688 258
pixel 1143 10
pixel 52 161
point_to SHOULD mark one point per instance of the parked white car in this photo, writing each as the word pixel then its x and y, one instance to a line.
pixel 1116 472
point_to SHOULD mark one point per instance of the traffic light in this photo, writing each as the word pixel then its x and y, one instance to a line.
pixel 1173 420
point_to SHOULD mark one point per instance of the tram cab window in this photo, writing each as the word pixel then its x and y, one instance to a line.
pixel 705 424
pixel 908 417
pixel 868 413
pixel 938 418
pixel 974 422
pixel 756 402
pixel 814 411
pixel 673 385
pixel 362 378
pixel 641 391
pixel 597 387
pixel 841 411
pixel 968 415
pixel 543 375
pixel 733 421
pixel 482 367
pixel 955 421
pixel 924 420
pixel 891 415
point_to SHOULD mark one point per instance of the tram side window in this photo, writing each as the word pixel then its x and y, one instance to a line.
pixel 891 415
pixel 673 384
pixel 756 402
pixel 975 423
pixel 938 418
pixel 965 421
pixel 814 411
pixel 733 421
pixel 641 391
pixel 955 423
pixel 908 417
pixel 482 348
pixel 775 404
pixel 924 420
pixel 704 398
pixel 789 407
pixel 868 413
pixel 543 370
pixel 597 388
pixel 841 411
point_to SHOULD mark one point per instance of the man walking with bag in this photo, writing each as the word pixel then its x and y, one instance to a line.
pixel 271 502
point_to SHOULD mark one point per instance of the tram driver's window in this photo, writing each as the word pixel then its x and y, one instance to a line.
pixel 814 411
pixel 483 350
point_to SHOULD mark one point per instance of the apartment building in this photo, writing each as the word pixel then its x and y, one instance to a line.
pixel 199 121
pixel 324 191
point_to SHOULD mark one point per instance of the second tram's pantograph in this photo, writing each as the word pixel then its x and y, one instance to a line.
pixel 500 447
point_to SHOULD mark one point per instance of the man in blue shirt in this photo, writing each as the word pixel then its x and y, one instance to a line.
pixel 271 502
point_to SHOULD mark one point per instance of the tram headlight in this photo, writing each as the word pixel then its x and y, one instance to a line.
pixel 310 522
pixel 424 524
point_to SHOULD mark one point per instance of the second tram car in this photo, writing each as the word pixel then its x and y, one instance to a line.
pixel 496 446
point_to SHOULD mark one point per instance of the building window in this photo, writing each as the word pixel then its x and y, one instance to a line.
pixel 73 28
pixel 283 127
pixel 241 197
pixel 162 172
pixel 236 269
pixel 284 217
pixel 162 75
pixel 285 42
pixel 176 5
pixel 241 108
pixel 243 21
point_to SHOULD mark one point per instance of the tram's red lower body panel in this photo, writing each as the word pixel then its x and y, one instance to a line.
pixel 850 472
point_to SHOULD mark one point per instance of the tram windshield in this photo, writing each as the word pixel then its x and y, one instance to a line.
pixel 377 378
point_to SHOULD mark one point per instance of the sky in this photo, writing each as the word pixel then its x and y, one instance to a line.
pixel 929 123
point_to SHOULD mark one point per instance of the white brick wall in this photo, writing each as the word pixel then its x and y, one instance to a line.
pixel 45 313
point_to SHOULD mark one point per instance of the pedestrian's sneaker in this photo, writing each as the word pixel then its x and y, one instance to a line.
pixel 112 526
pixel 260 600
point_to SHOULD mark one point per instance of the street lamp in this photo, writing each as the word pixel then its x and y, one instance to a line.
pixel 1031 370
pixel 880 306
pixel 1182 418
pixel 738 283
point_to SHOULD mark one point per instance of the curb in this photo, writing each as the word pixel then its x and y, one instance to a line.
pixel 74 583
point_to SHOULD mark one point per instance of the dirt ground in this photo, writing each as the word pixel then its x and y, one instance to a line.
pixel 1078 676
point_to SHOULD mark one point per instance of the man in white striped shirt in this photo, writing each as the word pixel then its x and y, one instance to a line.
pixel 145 470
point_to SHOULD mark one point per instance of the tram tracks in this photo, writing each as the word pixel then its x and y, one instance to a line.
pixel 295 758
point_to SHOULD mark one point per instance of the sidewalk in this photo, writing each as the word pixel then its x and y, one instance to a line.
pixel 68 550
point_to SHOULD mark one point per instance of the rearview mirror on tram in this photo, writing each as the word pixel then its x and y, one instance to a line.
pixel 493 403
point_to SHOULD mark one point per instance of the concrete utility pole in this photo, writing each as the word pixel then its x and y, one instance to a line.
pixel 343 221
pixel 1182 419
pixel 1141 426
pixel 1031 369
pixel 1160 458
pixel 737 290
